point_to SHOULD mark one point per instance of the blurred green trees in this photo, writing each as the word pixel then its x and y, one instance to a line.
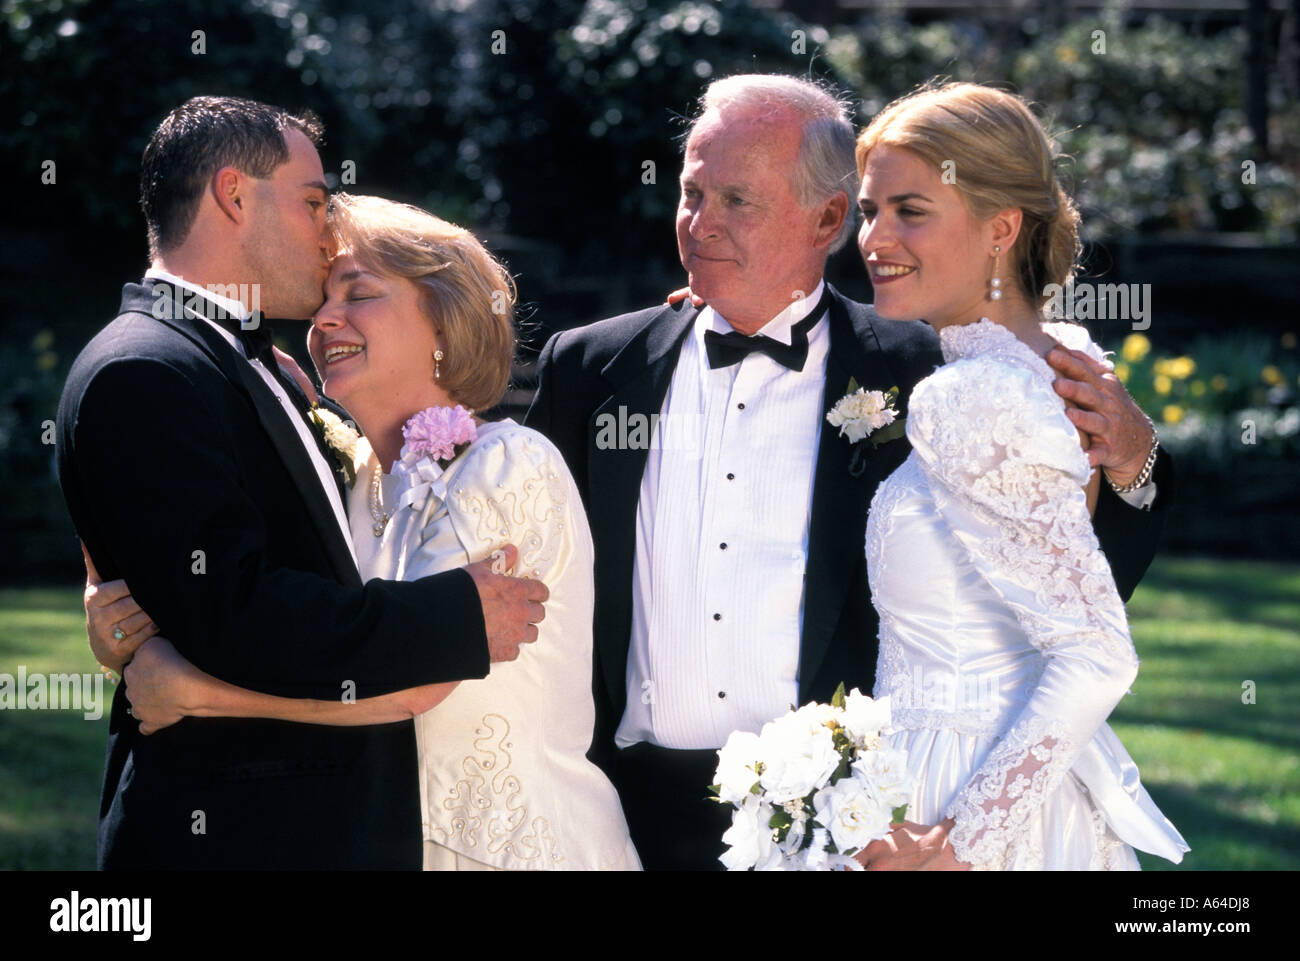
pixel 540 116
pixel 554 126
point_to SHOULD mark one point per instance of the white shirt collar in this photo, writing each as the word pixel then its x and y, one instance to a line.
pixel 232 307
pixel 778 328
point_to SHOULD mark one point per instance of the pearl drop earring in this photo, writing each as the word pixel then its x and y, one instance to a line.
pixel 995 284
pixel 437 368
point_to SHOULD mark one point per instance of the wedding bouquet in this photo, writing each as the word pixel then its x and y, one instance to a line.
pixel 813 788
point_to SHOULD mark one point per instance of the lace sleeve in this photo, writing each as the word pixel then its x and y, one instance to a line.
pixel 1006 470
pixel 515 489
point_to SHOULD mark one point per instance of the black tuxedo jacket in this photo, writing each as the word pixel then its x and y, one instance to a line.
pixel 185 475
pixel 627 362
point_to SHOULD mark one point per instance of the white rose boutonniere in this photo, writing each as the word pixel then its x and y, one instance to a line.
pixel 867 413
pixel 340 436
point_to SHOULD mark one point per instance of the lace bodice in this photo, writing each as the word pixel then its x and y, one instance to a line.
pixel 999 614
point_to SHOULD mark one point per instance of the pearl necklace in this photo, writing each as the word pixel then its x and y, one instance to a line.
pixel 377 514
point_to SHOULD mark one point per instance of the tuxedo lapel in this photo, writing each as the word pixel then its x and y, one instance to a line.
pixel 846 476
pixel 270 413
pixel 638 377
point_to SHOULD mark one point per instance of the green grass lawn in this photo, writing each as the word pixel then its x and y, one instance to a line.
pixel 51 762
pixel 1226 773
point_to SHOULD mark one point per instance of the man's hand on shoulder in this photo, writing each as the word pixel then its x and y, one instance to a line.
pixel 512 606
pixel 1120 434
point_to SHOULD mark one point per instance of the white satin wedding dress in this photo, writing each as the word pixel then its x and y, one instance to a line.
pixel 504 778
pixel 1004 645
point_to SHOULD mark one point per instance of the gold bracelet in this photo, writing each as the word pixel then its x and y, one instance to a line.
pixel 1144 476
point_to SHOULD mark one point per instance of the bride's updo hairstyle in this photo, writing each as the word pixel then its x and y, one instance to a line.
pixel 1001 157
pixel 464 290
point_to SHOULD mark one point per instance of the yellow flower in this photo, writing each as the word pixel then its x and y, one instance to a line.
pixel 1136 346
pixel 1219 383
pixel 43 341
pixel 1066 54
pixel 1163 384
pixel 1172 413
pixel 1179 368
pixel 1122 372
pixel 1271 375
pixel 1198 388
pixel 47 360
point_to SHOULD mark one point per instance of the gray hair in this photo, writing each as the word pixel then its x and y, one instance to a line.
pixel 825 165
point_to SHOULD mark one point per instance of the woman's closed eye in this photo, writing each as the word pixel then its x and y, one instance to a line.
pixel 869 212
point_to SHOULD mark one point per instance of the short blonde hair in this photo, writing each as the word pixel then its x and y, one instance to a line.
pixel 465 291
pixel 1003 158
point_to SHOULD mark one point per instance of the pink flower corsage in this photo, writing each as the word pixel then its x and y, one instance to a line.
pixel 441 433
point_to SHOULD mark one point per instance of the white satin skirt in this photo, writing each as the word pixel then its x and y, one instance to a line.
pixel 1069 832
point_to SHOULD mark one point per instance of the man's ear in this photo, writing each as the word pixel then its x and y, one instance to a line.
pixel 833 212
pixel 230 191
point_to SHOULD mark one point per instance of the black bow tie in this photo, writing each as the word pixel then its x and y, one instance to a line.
pixel 723 350
pixel 254 335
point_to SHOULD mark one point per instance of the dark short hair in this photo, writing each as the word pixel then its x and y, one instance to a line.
pixel 196 140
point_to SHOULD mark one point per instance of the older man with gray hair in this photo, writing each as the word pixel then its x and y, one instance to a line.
pixel 727 517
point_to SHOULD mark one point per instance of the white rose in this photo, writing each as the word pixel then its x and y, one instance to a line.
pixel 863 717
pixel 884 775
pixel 851 815
pixel 805 722
pixel 735 776
pixel 813 716
pixel 749 839
pixel 798 756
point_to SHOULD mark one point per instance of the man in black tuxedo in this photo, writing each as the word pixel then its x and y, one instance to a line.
pixel 190 467
pixel 767 183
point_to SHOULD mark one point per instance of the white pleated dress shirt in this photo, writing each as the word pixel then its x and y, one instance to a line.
pixel 722 541
pixel 236 309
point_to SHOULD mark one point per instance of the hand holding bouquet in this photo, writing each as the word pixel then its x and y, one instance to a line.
pixel 814 787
